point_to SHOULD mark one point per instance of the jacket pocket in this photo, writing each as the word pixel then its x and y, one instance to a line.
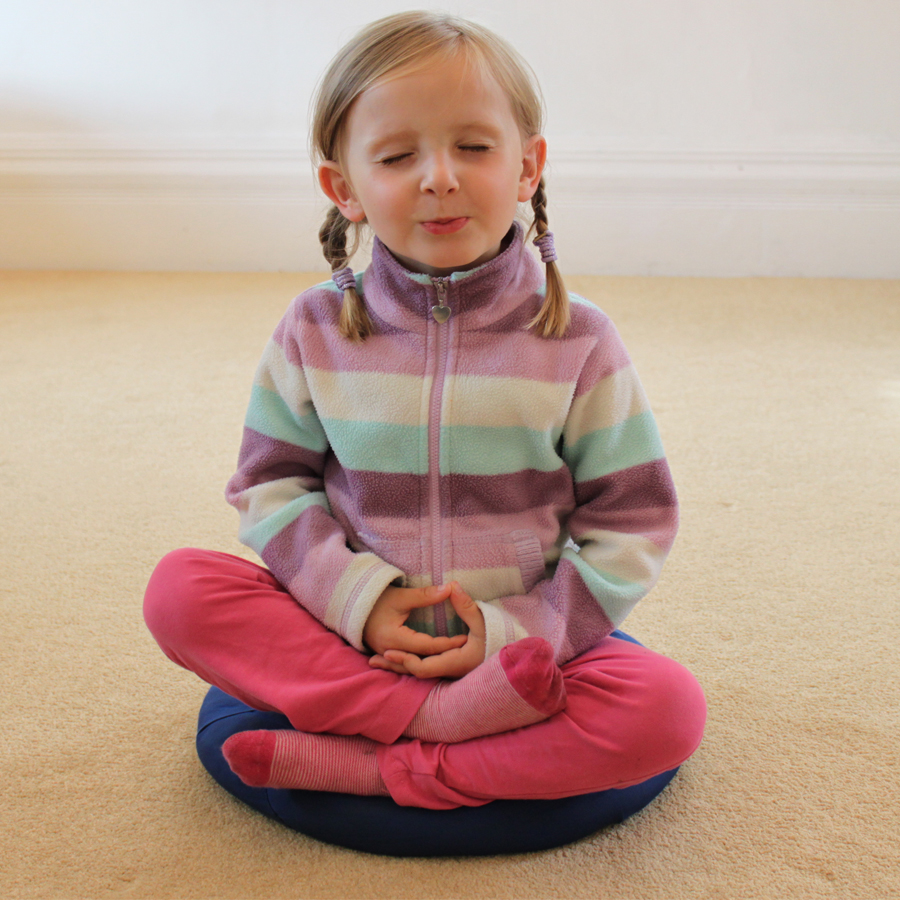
pixel 489 566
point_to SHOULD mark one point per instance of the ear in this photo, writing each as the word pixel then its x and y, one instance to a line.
pixel 533 161
pixel 338 189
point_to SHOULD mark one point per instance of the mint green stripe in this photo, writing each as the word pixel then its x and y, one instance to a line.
pixel 482 450
pixel 617 596
pixel 257 536
pixel 378 446
pixel 270 415
pixel 631 443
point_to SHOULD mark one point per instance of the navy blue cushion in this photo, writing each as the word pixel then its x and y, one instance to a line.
pixel 378 825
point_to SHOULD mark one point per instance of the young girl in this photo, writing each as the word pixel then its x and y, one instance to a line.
pixel 449 468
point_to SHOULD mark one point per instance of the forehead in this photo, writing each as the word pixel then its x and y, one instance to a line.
pixel 452 91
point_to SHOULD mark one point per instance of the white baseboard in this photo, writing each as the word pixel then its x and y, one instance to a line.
pixel 106 202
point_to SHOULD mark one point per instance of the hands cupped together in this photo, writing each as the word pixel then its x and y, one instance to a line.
pixel 398 648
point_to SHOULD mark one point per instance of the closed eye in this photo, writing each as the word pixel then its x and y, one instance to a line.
pixel 477 148
pixel 393 160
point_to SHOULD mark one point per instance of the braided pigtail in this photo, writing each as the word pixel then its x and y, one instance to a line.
pixel 355 324
pixel 553 318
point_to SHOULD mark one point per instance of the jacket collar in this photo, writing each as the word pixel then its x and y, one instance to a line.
pixel 511 284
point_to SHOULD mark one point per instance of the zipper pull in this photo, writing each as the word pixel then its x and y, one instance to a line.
pixel 441 312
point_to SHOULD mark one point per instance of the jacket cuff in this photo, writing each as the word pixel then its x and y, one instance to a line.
pixel 500 629
pixel 363 597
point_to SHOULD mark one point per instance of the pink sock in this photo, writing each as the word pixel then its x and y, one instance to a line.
pixel 301 761
pixel 518 686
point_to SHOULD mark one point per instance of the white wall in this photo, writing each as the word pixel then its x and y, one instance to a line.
pixel 703 137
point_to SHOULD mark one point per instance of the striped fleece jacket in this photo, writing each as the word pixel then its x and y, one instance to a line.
pixel 528 469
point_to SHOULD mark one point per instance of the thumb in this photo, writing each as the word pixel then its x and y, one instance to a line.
pixel 466 608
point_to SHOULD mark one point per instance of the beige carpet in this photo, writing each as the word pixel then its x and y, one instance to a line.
pixel 779 402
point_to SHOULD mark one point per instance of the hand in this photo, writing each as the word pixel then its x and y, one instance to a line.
pixel 451 663
pixel 386 627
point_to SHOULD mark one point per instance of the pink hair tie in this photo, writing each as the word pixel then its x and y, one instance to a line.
pixel 344 278
pixel 545 244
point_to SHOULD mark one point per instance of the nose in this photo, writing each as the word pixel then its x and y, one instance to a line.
pixel 439 175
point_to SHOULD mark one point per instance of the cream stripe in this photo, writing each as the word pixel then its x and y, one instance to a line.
pixel 263 500
pixel 506 402
pixel 610 402
pixel 277 374
pixel 629 557
pixel 368 396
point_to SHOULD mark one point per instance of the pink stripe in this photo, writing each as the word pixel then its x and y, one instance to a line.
pixel 324 348
pixel 522 355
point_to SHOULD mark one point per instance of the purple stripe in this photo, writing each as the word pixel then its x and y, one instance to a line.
pixel 586 621
pixel 369 494
pixel 518 492
pixel 287 557
pixel 639 500
pixel 400 496
pixel 265 459
pixel 563 611
pixel 640 487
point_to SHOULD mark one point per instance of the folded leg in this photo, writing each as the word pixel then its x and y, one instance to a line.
pixel 232 623
pixel 631 714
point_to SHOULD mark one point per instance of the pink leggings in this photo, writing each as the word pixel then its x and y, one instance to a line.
pixel 631 713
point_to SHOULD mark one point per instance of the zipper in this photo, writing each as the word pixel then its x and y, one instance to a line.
pixel 440 314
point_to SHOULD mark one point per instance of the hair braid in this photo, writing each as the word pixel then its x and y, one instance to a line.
pixel 553 318
pixel 355 323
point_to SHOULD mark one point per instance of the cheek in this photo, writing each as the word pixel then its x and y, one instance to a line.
pixel 386 202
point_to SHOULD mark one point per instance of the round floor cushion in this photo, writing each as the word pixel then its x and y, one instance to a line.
pixel 378 825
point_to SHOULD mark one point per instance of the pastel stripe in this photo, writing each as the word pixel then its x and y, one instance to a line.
pixel 631 443
pixel 538 439
pixel 257 534
pixel 630 558
pixel 396 353
pixel 279 375
pixel 610 402
pixel 617 596
pixel 350 597
pixel 269 415
pixel 379 446
pixel 519 354
pixel 471 450
pixel 505 402
pixel 393 398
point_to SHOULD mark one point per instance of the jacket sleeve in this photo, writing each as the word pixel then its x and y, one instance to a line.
pixel 623 524
pixel 279 491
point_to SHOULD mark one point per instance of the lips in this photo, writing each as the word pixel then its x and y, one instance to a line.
pixel 445 226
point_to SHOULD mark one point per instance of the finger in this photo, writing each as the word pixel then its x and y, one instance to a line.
pixel 428 596
pixel 443 644
pixel 465 606
pixel 379 662
pixel 408 662
pixel 452 664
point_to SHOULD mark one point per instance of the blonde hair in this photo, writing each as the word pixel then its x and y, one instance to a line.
pixel 405 43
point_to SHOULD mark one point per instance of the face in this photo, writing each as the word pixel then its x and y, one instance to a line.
pixel 435 163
